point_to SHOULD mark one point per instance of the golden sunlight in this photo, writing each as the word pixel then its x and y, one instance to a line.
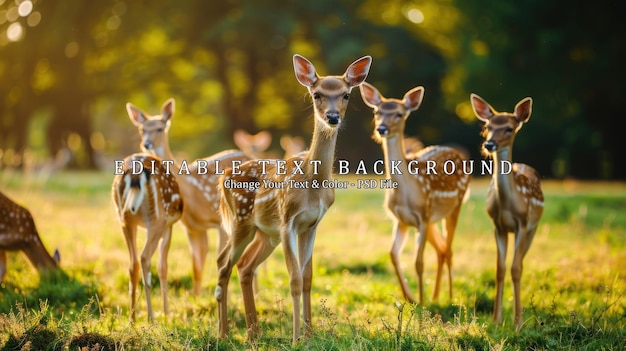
pixel 25 8
pixel 15 32
pixel 415 15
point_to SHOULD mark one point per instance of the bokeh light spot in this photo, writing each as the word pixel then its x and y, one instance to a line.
pixel 25 8
pixel 415 15
pixel 34 19
pixel 15 32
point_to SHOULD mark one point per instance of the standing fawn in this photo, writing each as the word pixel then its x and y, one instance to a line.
pixel 423 198
pixel 514 199
pixel 256 145
pixel 198 186
pixel 148 196
pixel 18 232
pixel 289 212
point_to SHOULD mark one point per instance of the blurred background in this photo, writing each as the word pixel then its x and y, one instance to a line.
pixel 67 68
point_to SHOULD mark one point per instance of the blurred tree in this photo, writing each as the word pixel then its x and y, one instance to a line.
pixel 565 55
pixel 44 51
pixel 70 66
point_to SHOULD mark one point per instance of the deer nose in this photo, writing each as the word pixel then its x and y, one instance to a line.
pixel 490 145
pixel 382 130
pixel 147 145
pixel 333 118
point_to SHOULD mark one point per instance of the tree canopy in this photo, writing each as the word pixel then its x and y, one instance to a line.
pixel 68 68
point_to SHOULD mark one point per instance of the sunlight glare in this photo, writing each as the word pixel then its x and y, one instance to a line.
pixel 113 23
pixel 71 49
pixel 15 32
pixel 415 15
pixel 25 8
pixel 464 111
pixel 34 19
pixel 12 14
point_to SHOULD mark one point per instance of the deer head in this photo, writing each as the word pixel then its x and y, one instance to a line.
pixel 500 128
pixel 153 129
pixel 390 114
pixel 330 93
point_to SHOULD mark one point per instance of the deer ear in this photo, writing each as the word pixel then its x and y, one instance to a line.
pixel 482 109
pixel 413 98
pixel 370 95
pixel 241 139
pixel 167 110
pixel 523 109
pixel 357 71
pixel 136 115
pixel 291 145
pixel 262 140
pixel 305 71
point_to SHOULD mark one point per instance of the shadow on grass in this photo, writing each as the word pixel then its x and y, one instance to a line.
pixel 61 292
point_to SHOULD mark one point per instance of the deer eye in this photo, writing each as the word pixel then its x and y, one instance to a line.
pixel 316 96
pixel 508 130
pixel 159 130
pixel 346 97
pixel 399 115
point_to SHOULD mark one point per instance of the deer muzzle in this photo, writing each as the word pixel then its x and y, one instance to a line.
pixel 490 145
pixel 382 130
pixel 147 145
pixel 333 118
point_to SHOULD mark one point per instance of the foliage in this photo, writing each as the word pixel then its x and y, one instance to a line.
pixel 563 55
pixel 69 67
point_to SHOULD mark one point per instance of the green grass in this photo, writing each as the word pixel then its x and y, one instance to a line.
pixel 573 282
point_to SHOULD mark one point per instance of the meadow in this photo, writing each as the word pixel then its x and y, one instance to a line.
pixel 573 285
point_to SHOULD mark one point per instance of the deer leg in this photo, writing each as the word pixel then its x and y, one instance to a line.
pixel 435 238
pixel 523 240
pixel 155 231
pixel 450 224
pixel 419 258
pixel 400 234
pixel 528 239
pixel 3 264
pixel 222 239
pixel 501 242
pixel 199 246
pixel 257 252
pixel 288 238
pixel 305 246
pixel 162 268
pixel 130 234
pixel 240 238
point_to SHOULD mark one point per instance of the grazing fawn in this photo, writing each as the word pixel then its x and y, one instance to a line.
pixel 149 198
pixel 198 189
pixel 423 198
pixel 18 232
pixel 259 217
pixel 514 199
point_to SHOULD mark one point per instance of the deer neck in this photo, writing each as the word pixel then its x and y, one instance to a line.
pixel 39 256
pixel 165 153
pixel 504 183
pixel 164 150
pixel 322 150
pixel 393 151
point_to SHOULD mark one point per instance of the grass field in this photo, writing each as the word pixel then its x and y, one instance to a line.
pixel 573 291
